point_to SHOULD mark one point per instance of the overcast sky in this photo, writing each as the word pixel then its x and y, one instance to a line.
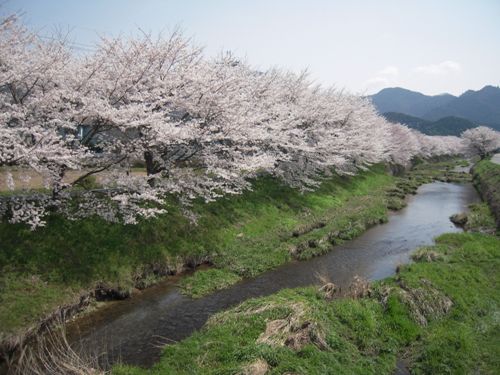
pixel 430 46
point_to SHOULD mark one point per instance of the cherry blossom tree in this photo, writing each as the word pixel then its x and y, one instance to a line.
pixel 150 100
pixel 200 127
pixel 33 120
pixel 403 144
pixel 481 141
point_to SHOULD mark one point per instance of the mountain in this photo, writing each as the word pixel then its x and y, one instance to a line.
pixel 445 126
pixel 397 99
pixel 479 107
pixel 449 125
pixel 410 121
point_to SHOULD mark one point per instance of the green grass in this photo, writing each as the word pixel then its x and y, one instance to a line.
pixel 440 171
pixel 486 177
pixel 208 281
pixel 479 217
pixel 24 299
pixel 366 335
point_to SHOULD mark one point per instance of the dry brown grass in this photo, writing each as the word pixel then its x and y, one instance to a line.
pixel 329 290
pixel 359 288
pixel 426 255
pixel 51 353
pixel 322 277
pixel 258 367
pixel 425 303
pixel 295 331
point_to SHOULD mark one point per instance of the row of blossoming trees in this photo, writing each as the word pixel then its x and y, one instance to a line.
pixel 201 127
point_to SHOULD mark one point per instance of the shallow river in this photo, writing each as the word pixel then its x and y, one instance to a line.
pixel 132 331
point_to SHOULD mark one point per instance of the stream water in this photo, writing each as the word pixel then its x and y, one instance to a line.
pixel 133 331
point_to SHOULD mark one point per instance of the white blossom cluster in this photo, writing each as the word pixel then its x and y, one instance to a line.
pixel 481 141
pixel 201 127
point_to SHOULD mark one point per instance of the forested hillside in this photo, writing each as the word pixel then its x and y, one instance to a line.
pixel 480 107
pixel 445 126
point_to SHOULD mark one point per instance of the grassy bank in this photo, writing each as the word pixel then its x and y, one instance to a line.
pixel 439 315
pixel 240 236
pixel 486 177
pixel 327 220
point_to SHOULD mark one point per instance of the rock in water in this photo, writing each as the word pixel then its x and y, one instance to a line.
pixel 459 219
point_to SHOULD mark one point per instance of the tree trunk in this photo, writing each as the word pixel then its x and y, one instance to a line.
pixel 152 167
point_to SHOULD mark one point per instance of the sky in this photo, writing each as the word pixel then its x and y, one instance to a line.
pixel 431 46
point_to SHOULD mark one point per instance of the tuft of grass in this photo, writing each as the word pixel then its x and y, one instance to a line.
pixel 479 217
pixel 52 354
pixel 207 281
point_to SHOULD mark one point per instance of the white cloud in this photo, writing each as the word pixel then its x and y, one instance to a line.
pixel 442 68
pixel 390 70
pixel 384 78
pixel 377 82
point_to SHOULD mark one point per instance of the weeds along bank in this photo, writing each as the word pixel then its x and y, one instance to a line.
pixel 437 315
pixel 486 177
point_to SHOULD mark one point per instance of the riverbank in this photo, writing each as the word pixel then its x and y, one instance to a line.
pixel 240 236
pixel 436 315
pixel 315 234
pixel 486 178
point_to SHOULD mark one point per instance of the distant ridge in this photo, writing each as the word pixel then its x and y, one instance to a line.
pixel 397 99
pixel 480 107
pixel 445 126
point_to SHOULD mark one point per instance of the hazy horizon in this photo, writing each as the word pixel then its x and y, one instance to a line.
pixel 362 46
pixel 436 94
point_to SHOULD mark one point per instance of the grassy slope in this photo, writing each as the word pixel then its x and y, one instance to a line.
pixel 487 180
pixel 242 236
pixel 366 335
